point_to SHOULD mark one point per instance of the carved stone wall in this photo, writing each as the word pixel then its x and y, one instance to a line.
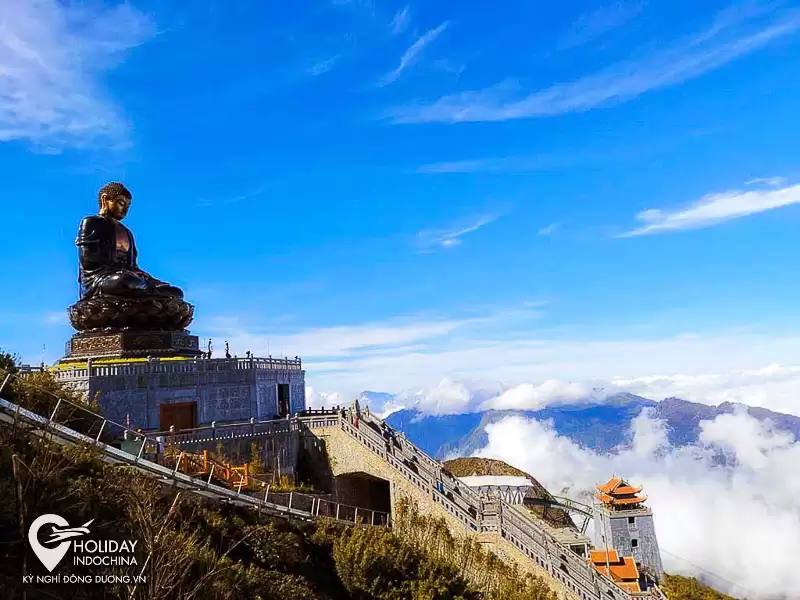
pixel 267 400
pixel 297 396
pixel 228 403
pixel 117 404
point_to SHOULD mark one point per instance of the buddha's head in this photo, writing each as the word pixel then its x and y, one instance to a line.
pixel 114 200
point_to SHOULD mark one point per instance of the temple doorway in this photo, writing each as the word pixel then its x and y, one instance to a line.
pixel 283 399
pixel 183 415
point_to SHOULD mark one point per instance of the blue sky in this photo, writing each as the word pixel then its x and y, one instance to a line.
pixel 404 192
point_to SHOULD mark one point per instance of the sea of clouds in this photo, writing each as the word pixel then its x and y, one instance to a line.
pixel 735 526
pixel 734 523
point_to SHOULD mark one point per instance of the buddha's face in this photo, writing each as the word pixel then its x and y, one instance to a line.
pixel 116 206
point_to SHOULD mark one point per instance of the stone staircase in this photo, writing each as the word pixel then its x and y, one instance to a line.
pixel 359 442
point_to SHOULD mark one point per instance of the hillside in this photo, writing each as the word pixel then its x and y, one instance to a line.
pixel 197 549
pixel 678 587
pixel 464 467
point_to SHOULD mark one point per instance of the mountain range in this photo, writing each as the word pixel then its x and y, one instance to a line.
pixel 597 426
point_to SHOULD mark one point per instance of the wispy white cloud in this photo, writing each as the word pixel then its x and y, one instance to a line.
pixel 548 230
pixel 51 57
pixel 592 25
pixel 400 21
pixel 413 53
pixel 770 181
pixel 755 500
pixel 507 164
pixel 325 65
pixel 448 66
pixel 714 209
pixel 448 238
pixel 732 35
pixel 238 198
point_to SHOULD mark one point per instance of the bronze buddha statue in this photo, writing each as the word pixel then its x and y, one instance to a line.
pixel 107 252
pixel 114 292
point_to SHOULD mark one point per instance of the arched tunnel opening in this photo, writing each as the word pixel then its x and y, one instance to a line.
pixel 363 490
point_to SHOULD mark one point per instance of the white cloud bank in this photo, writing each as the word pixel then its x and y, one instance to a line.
pixel 51 56
pixel 774 387
pixel 760 369
pixel 742 523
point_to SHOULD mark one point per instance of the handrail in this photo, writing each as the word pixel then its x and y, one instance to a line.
pixel 508 522
pixel 11 412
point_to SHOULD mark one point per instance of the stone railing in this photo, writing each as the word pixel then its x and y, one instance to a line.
pixel 229 431
pixel 143 455
pixel 190 365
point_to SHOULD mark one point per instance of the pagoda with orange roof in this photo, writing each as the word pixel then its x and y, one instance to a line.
pixel 624 525
pixel 619 495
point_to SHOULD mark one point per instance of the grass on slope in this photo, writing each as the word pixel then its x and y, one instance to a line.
pixel 197 549
pixel 678 587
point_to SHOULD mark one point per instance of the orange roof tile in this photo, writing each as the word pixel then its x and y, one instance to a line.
pixel 599 556
pixel 606 499
pixel 634 500
pixel 631 586
pixel 622 569
pixel 612 483
pixel 627 489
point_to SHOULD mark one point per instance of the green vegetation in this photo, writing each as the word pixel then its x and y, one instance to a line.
pixel 200 550
pixel 678 587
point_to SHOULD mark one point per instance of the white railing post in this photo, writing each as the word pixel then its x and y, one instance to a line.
pixel 266 493
pixel 5 381
pixel 337 510
pixel 141 448
pixel 99 433
pixel 55 410
pixel 290 502
pixel 177 464
pixel 355 517
pixel 210 474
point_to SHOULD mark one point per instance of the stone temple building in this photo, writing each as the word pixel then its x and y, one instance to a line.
pixel 187 391
pixel 623 523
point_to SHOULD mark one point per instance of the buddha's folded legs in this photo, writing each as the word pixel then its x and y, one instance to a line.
pixel 122 283
pixel 126 283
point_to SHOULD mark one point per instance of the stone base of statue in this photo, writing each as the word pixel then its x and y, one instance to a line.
pixel 131 344
pixel 151 313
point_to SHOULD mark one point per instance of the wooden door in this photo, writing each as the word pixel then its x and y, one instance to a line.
pixel 183 415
